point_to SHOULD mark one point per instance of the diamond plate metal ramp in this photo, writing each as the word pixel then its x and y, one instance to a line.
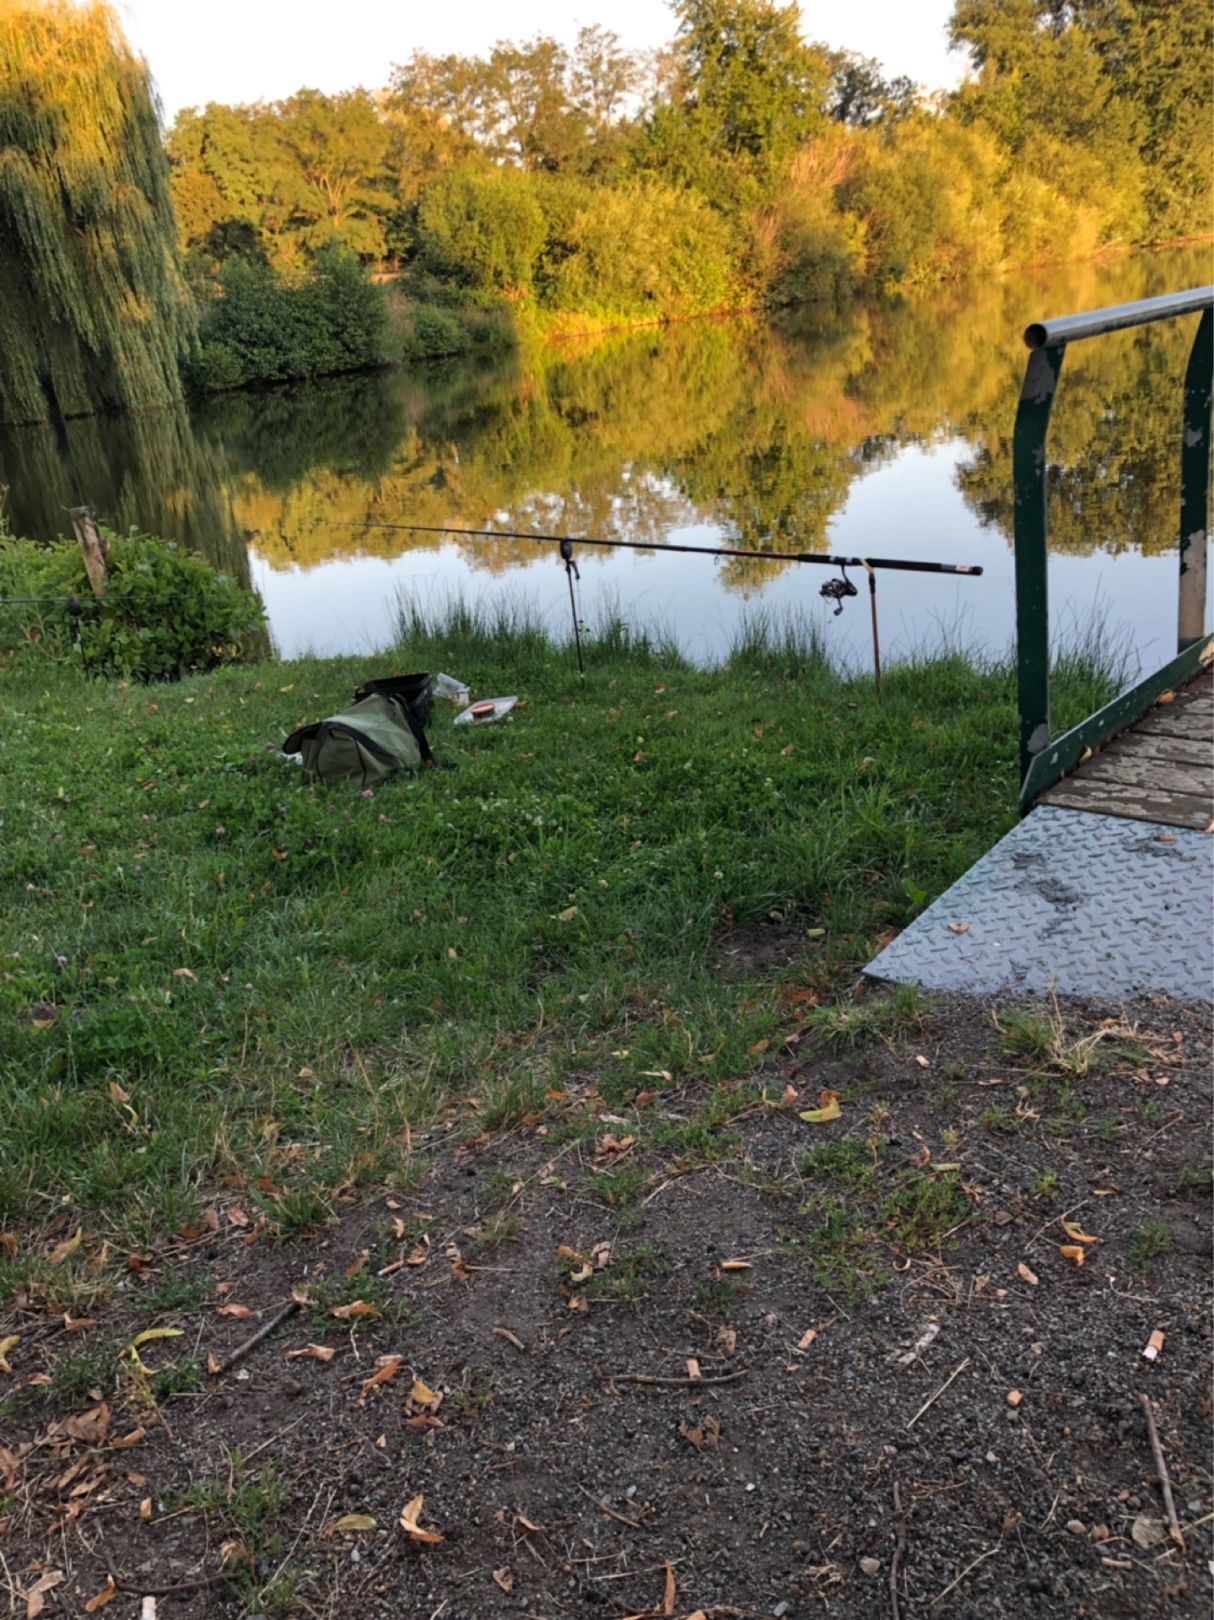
pixel 1083 904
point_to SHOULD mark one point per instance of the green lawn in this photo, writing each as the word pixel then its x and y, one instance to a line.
pixel 210 969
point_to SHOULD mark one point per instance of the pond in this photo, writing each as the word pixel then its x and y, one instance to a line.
pixel 884 429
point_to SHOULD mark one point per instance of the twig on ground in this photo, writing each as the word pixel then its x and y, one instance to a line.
pixel 1161 1469
pixel 620 1518
pixel 932 1399
pixel 897 1558
pixel 263 1332
pixel 981 1559
pixel 677 1383
pixel 138 1589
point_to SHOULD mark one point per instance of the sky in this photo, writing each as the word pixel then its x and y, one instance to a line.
pixel 261 50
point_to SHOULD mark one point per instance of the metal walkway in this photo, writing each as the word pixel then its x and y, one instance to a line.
pixel 1105 889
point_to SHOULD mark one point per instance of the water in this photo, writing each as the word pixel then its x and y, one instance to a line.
pixel 885 429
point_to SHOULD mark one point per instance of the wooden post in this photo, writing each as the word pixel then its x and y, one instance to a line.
pixel 92 546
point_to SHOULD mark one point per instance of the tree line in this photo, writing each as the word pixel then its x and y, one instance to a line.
pixel 545 187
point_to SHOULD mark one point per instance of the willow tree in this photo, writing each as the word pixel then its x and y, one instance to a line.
pixel 93 310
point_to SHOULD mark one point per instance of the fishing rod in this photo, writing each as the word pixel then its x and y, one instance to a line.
pixel 828 559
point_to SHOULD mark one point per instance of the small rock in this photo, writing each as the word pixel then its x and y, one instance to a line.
pixel 871 1566
pixel 991 1457
pixel 1077 1527
pixel 780 1610
pixel 1100 1532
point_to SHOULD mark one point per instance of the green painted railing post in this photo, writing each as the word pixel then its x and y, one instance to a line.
pixel 1195 484
pixel 1032 562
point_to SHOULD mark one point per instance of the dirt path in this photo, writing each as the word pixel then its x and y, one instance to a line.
pixel 877 1385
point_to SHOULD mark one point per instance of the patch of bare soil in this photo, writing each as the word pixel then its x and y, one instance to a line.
pixel 699 1355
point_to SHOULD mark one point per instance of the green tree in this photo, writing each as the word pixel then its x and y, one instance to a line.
pixel 94 313
pixel 747 92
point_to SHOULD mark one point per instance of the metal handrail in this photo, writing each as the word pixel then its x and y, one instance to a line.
pixel 1043 759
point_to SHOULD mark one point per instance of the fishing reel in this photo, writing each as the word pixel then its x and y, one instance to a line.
pixel 837 590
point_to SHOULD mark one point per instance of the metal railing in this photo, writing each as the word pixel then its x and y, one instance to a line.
pixel 1043 759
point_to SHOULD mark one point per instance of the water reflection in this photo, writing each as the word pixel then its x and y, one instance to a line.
pixel 885 429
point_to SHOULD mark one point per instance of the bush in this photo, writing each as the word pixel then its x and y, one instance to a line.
pixel 165 611
pixel 265 328
pixel 482 228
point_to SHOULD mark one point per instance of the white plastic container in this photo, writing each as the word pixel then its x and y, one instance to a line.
pixel 446 686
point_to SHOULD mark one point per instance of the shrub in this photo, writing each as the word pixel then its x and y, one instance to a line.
pixel 265 328
pixel 483 228
pixel 165 611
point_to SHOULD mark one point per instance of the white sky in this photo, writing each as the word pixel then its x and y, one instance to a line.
pixel 260 50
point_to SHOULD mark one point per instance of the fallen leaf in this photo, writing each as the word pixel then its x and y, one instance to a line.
pixel 727 1338
pixel 758 1048
pixel 389 1366
pixel 6 1345
pixel 77 1324
pixel 422 1395
pixel 213 1363
pixel 1076 1236
pixel 828 1109
pixel 150 1335
pixel 127 1440
pixel 237 1216
pixel 409 1516
pixel 1028 1276
pixel 35 1596
pixel 185 973
pixel 357 1307
pixel 117 1094
pixel 91 1426
pixel 356 1266
pixel 504 1579
pixel 670 1593
pixel 354 1521
pixel 657 1074
pixel 736 1265
pixel 69 1246
pixel 419 1255
pixel 422 1421
pixel 241 1313
pixel 106 1595
pixel 959 928
pixel 1072 1251
pixel 312 1352
pixel 1148 1533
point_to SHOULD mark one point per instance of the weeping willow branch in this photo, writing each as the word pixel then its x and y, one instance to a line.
pixel 94 312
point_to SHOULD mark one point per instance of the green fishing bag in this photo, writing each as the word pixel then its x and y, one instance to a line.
pixel 374 739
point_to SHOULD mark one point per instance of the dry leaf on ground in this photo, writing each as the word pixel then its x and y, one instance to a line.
pixel 356 1307
pixel 7 1344
pixel 1072 1251
pixel 106 1595
pixel 409 1516
pixel 668 1596
pixel 504 1579
pixel 1076 1235
pixel 69 1246
pixel 239 1313
pixel 312 1352
pixel 354 1521
pixel 828 1109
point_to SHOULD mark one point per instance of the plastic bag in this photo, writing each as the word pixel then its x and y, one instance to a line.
pixel 447 686
pixel 482 713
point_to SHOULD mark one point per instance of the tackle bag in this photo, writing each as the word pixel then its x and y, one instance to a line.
pixel 381 733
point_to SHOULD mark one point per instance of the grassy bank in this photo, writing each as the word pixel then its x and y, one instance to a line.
pixel 211 970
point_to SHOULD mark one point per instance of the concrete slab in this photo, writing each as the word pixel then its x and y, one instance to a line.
pixel 1083 904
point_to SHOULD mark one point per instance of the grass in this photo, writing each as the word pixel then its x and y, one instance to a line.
pixel 211 970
